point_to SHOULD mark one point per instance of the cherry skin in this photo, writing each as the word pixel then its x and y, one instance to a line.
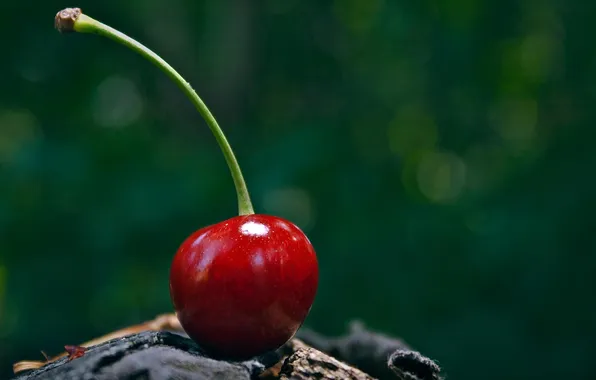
pixel 243 287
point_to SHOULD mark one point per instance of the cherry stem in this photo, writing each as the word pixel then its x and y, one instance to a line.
pixel 73 20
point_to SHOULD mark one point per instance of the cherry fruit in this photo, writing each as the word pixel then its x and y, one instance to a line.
pixel 243 286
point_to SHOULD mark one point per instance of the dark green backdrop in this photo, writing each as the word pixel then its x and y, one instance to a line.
pixel 439 154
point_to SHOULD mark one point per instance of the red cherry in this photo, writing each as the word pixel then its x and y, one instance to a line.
pixel 241 287
pixel 244 286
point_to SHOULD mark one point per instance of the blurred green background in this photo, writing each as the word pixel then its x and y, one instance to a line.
pixel 439 154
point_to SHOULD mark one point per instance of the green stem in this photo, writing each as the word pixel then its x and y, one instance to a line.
pixel 71 19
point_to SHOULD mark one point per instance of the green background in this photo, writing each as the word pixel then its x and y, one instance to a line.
pixel 439 154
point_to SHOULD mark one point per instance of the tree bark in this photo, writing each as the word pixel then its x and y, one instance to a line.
pixel 161 355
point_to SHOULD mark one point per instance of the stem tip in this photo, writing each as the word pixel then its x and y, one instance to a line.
pixel 65 19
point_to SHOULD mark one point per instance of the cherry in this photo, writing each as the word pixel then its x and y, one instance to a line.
pixel 243 286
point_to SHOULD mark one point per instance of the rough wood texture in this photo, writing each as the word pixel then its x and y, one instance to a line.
pixel 148 355
pixel 411 365
pixel 307 363
pixel 361 347
pixel 160 355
